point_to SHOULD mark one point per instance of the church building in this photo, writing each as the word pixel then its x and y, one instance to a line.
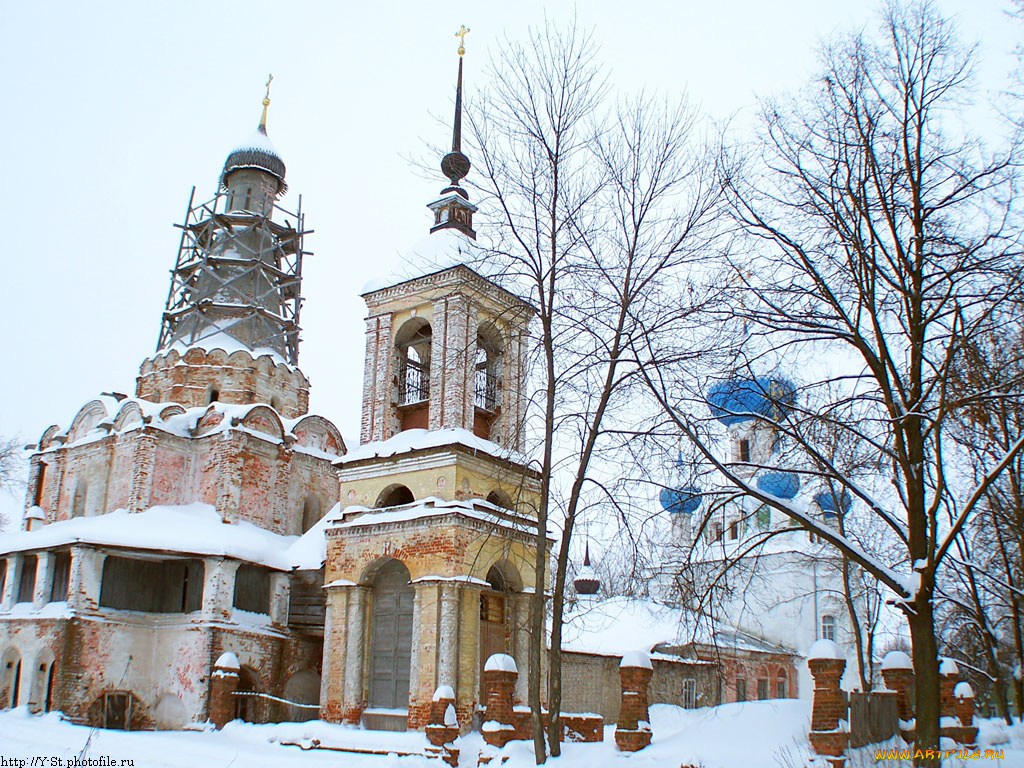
pixel 210 519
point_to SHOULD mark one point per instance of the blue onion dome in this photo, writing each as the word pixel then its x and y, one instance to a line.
pixel 784 485
pixel 259 153
pixel 827 501
pixel 740 399
pixel 681 501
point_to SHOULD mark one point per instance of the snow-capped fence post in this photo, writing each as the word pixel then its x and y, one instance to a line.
pixel 443 724
pixel 500 674
pixel 633 728
pixel 223 684
pixel 949 676
pixel 898 674
pixel 827 737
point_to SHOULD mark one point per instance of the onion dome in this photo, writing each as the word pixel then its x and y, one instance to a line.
pixel 781 484
pixel 257 152
pixel 827 501
pixel 586 582
pixel 680 501
pixel 737 400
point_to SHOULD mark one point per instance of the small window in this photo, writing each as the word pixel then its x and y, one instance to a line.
pixel 828 627
pixel 248 197
pixel 252 589
pixel 734 530
pixel 762 689
pixel 37 494
pixel 3 578
pixel 214 396
pixel 689 699
pixel 27 585
pixel 61 576
pixel 741 689
pixel 716 531
pixel 764 517
pixel 780 685
pixel 744 450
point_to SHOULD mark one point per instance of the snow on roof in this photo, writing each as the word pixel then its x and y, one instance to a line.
pixel 478 509
pixel 310 551
pixel 438 250
pixel 228 344
pixel 194 529
pixel 824 649
pixel 963 690
pixel 418 439
pixel 612 627
pixel 257 140
pixel 228 660
pixel 444 692
pixel 640 659
pixel 948 667
pixel 897 660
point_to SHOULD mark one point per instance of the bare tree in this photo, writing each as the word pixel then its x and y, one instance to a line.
pixel 12 468
pixel 879 236
pixel 599 210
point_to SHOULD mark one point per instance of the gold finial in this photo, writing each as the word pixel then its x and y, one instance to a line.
pixel 461 34
pixel 266 103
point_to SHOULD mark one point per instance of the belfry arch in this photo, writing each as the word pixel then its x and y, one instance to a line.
pixel 412 379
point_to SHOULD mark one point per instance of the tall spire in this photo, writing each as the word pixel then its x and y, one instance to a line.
pixel 262 128
pixel 453 209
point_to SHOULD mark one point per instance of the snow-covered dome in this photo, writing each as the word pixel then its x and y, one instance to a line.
pixel 948 667
pixel 256 152
pixel 680 501
pixel 824 649
pixel 740 399
pixel 897 660
pixel 785 485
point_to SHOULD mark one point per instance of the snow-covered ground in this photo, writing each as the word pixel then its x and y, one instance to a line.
pixel 761 734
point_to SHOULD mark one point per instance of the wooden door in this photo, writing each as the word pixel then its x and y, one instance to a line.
pixel 391 637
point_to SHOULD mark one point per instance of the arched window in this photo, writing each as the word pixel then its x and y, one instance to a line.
pixel 488 371
pixel 828 627
pixel 413 348
pixel 780 685
pixel 394 495
pixel 499 499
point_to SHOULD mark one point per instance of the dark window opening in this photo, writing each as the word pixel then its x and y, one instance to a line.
pixel 689 697
pixel 214 396
pixel 394 495
pixel 310 513
pixel 499 499
pixel 27 585
pixel 117 710
pixel 248 197
pixel 153 586
pixel 762 689
pixel 413 347
pixel 744 450
pixel 741 689
pixel 61 576
pixel 780 686
pixel 487 381
pixel 252 589
pixel 37 496
pixel 17 685
pixel 3 577
pixel 734 530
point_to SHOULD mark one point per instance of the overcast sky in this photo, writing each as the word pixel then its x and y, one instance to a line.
pixel 113 111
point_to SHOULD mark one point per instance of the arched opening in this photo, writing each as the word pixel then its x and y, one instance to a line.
pixel 80 498
pixel 302 688
pixel 310 512
pixel 246 706
pixel 10 678
pixel 487 381
pixel 495 615
pixel 27 582
pixel 42 682
pixel 394 495
pixel 212 395
pixel 781 680
pixel 391 636
pixel 499 498
pixel 412 348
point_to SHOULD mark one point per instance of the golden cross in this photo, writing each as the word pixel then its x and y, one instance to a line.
pixel 266 98
pixel 461 34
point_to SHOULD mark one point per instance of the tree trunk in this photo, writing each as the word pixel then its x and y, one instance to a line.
pixel 926 678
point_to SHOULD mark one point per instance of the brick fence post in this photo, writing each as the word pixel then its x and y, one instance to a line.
pixel 898 674
pixel 827 665
pixel 633 728
pixel 223 683
pixel 949 676
pixel 500 674
pixel 443 724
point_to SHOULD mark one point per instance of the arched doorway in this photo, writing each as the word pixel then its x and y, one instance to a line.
pixel 495 616
pixel 246 707
pixel 391 637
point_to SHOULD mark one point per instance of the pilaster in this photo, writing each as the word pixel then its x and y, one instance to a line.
pixel 10 582
pixel 44 579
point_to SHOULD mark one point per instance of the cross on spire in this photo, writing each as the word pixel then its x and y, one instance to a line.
pixel 461 34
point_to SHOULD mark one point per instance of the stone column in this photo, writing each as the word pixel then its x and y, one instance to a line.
pixel 280 590
pixel 218 588
pixel 85 581
pixel 830 706
pixel 354 700
pixel 633 729
pixel 447 639
pixel 500 673
pixel 10 592
pixel 521 643
pixel 422 643
pixel 44 579
pixel 223 683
